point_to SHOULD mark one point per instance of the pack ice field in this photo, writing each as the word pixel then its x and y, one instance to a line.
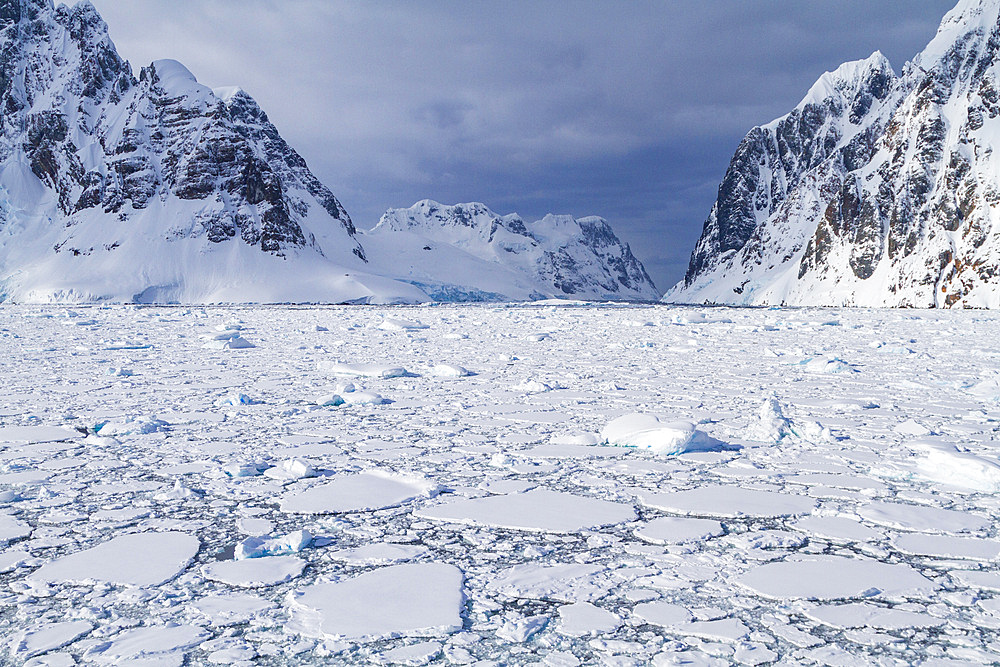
pixel 565 484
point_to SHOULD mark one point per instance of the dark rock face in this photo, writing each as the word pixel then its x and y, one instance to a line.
pixel 149 141
pixel 876 190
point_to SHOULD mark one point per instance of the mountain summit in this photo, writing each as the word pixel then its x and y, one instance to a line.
pixel 876 190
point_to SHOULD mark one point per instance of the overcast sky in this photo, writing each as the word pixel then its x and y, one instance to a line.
pixel 628 110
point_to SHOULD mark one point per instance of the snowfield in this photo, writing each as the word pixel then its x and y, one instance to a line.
pixel 566 484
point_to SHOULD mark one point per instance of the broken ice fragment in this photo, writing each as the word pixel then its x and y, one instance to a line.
pixel 259 547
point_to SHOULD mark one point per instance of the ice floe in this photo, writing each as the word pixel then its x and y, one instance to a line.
pixel 415 600
pixel 643 431
pixel 358 493
pixel 834 578
pixel 536 510
pixel 255 572
pixel 136 559
pixel 729 502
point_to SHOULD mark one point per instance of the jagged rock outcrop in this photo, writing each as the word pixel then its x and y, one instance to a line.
pixel 467 252
pixel 876 190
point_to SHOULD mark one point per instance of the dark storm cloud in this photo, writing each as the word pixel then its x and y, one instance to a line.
pixel 626 110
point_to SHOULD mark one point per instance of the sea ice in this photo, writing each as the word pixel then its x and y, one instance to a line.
pixel 47 637
pixel 536 510
pixel 583 619
pixel 866 615
pixel 414 600
pixel 678 530
pixel 449 371
pixel 10 435
pixel 357 493
pixel 729 502
pixel 833 578
pixel 231 609
pixel 383 553
pixel 922 518
pixel 564 582
pixel 12 529
pixel 255 572
pixel 945 464
pixel 135 559
pixel 155 645
pixel 948 546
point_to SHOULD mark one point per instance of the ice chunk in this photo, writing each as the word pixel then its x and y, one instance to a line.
pixel 537 510
pixel 291 469
pixel 945 464
pixel 41 639
pixel 664 614
pixel 414 600
pixel 384 553
pixel 771 425
pixel 137 559
pixel 256 572
pixel 729 502
pixel 648 432
pixel 226 340
pixel 132 425
pixel 826 364
pixel 255 527
pixel 358 493
pixel 362 370
pixel 866 615
pixel 833 578
pixel 922 518
pixel 837 529
pixel 677 530
pixel 582 619
pixel 259 547
pixel 393 324
pixel 564 582
pixel 449 371
pixel 519 629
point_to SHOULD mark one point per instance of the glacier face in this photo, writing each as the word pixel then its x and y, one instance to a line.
pixel 466 252
pixel 877 190
pixel 159 189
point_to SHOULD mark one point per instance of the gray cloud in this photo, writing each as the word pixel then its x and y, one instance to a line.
pixel 626 110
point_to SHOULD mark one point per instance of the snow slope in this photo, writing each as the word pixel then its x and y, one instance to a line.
pixel 466 252
pixel 876 190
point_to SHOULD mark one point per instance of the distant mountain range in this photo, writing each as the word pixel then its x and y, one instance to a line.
pixel 158 189
pixel 876 190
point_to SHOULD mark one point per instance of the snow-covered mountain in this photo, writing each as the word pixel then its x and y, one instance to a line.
pixel 158 189
pixel 876 190
pixel 466 252
pixel 153 188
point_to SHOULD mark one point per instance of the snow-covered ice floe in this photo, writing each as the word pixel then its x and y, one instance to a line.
pixel 611 485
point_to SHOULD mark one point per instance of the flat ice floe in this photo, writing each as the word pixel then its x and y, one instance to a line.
pixel 923 518
pixel 537 510
pixel 565 582
pixel 678 530
pixel 137 559
pixel 255 572
pixel 867 615
pixel 729 502
pixel 834 578
pixel 357 493
pixel 419 600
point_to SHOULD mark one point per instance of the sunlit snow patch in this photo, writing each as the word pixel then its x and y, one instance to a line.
pixel 729 502
pixel 137 559
pixel 834 578
pixel 537 510
pixel 648 432
pixel 358 493
pixel 415 600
